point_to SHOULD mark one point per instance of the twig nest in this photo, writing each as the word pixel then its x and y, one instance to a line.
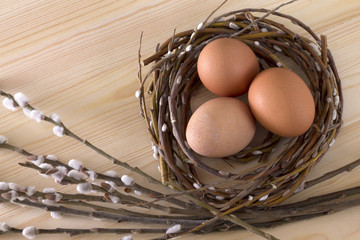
pixel 280 165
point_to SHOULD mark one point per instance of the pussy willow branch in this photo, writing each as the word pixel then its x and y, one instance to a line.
pixel 189 207
pixel 211 209
pixel 75 232
pixel 65 210
pixel 69 133
pixel 323 204
pixel 312 207
pixel 326 176
pixel 124 199
pixel 114 160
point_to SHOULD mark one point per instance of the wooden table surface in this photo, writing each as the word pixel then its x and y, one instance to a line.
pixel 79 59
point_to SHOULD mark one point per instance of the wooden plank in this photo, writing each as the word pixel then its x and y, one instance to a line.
pixel 78 59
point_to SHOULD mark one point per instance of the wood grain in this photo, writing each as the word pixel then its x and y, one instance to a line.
pixel 78 58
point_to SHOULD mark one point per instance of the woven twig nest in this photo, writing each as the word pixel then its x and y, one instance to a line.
pixel 166 91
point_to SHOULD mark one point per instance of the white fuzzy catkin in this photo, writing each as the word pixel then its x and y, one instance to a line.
pixel 334 91
pixel 38 161
pixel 51 157
pixel 137 192
pixel 27 112
pixel 9 104
pixel 332 142
pixel 60 174
pixel 263 198
pixel 334 115
pixel 13 195
pixel 316 48
pixel 127 180
pixel 197 186
pixel 55 117
pixel 29 232
pixel 58 131
pixel 21 99
pixel 4 227
pixel 233 26
pixel 3 139
pixel 4 186
pixel 224 173
pixel 220 198
pixel 58 197
pixel 138 94
pixel 21 198
pixel 45 166
pixel 192 35
pixel 336 100
pixel 91 175
pixel 164 127
pixel 13 186
pixel 174 229
pixel 75 164
pixel 155 149
pixel 188 48
pixel 30 190
pixel 55 215
pixel 62 169
pixel 49 190
pixel 37 115
pixel 48 202
pixel 114 199
pixel 256 152
pixel 112 186
pixel 75 174
pixel 277 48
pixel 111 173
pixel 84 187
pixel 129 237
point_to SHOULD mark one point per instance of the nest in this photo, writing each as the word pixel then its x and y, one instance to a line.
pixel 172 78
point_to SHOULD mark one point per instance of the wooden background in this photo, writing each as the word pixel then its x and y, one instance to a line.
pixel 78 59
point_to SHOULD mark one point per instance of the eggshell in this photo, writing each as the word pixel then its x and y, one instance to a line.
pixel 281 101
pixel 220 127
pixel 226 67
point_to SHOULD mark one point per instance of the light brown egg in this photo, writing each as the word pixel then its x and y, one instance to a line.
pixel 281 101
pixel 226 67
pixel 220 127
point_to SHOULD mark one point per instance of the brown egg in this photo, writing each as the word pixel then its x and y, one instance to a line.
pixel 281 101
pixel 220 127
pixel 226 67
